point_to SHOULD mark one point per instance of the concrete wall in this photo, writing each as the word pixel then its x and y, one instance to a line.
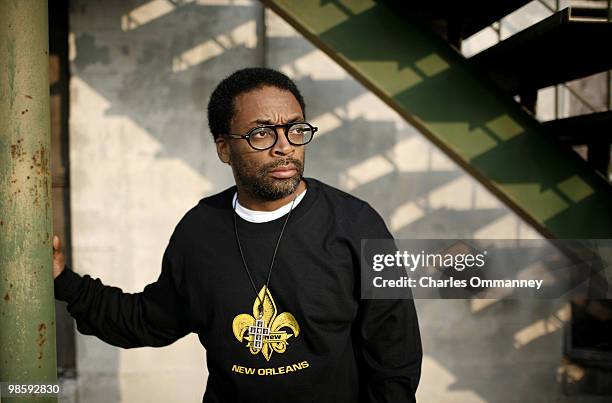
pixel 140 156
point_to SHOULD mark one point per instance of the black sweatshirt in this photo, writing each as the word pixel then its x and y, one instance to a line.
pixel 322 342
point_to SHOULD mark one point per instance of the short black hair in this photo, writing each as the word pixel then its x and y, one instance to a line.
pixel 221 104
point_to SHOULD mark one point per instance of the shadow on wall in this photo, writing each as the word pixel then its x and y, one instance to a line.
pixel 141 75
pixel 157 62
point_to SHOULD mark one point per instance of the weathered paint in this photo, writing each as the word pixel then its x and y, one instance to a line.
pixel 27 309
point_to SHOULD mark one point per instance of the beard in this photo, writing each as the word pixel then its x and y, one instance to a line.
pixel 257 181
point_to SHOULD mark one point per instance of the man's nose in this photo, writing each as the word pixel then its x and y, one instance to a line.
pixel 282 146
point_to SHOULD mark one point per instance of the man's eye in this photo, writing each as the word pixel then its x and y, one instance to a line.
pixel 261 134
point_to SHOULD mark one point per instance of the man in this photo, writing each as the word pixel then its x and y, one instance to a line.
pixel 267 272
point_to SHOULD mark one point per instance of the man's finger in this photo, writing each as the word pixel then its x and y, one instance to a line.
pixel 57 245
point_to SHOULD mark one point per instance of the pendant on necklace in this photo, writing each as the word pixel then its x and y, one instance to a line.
pixel 266 330
pixel 258 331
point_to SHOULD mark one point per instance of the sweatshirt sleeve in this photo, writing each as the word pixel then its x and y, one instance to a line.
pixel 387 337
pixel 155 317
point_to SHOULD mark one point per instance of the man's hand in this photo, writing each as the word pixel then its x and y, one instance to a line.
pixel 58 257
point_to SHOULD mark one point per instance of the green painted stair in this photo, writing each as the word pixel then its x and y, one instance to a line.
pixel 454 105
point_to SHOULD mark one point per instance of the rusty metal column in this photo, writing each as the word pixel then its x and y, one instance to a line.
pixel 27 309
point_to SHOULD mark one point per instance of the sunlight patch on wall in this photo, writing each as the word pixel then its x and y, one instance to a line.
pixel 152 10
pixel 416 155
pixel 112 158
pixel 146 13
pixel 243 35
pixel 302 66
pixel 542 327
pixel 366 171
pixel 406 214
pixel 506 226
pixel 327 123
pixel 438 384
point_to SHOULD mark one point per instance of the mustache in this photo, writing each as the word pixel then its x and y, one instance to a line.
pixel 281 163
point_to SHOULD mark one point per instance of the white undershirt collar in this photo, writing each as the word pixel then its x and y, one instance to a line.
pixel 264 216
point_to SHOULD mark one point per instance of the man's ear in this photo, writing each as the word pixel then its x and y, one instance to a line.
pixel 223 151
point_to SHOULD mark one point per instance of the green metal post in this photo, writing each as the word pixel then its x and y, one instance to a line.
pixel 27 308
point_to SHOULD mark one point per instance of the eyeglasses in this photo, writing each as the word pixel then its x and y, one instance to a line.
pixel 264 137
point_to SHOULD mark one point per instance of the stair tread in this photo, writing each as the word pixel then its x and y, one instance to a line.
pixel 550 52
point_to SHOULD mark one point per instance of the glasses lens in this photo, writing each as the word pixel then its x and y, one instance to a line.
pixel 262 137
pixel 300 133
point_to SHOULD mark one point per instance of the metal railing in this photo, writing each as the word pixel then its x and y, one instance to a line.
pixel 590 10
pixel 602 13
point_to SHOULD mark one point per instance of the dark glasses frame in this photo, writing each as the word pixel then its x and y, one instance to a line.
pixel 286 127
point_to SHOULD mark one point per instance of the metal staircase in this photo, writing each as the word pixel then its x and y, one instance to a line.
pixel 553 51
pixel 391 49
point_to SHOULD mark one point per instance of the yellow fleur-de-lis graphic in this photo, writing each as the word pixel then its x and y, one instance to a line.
pixel 265 334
